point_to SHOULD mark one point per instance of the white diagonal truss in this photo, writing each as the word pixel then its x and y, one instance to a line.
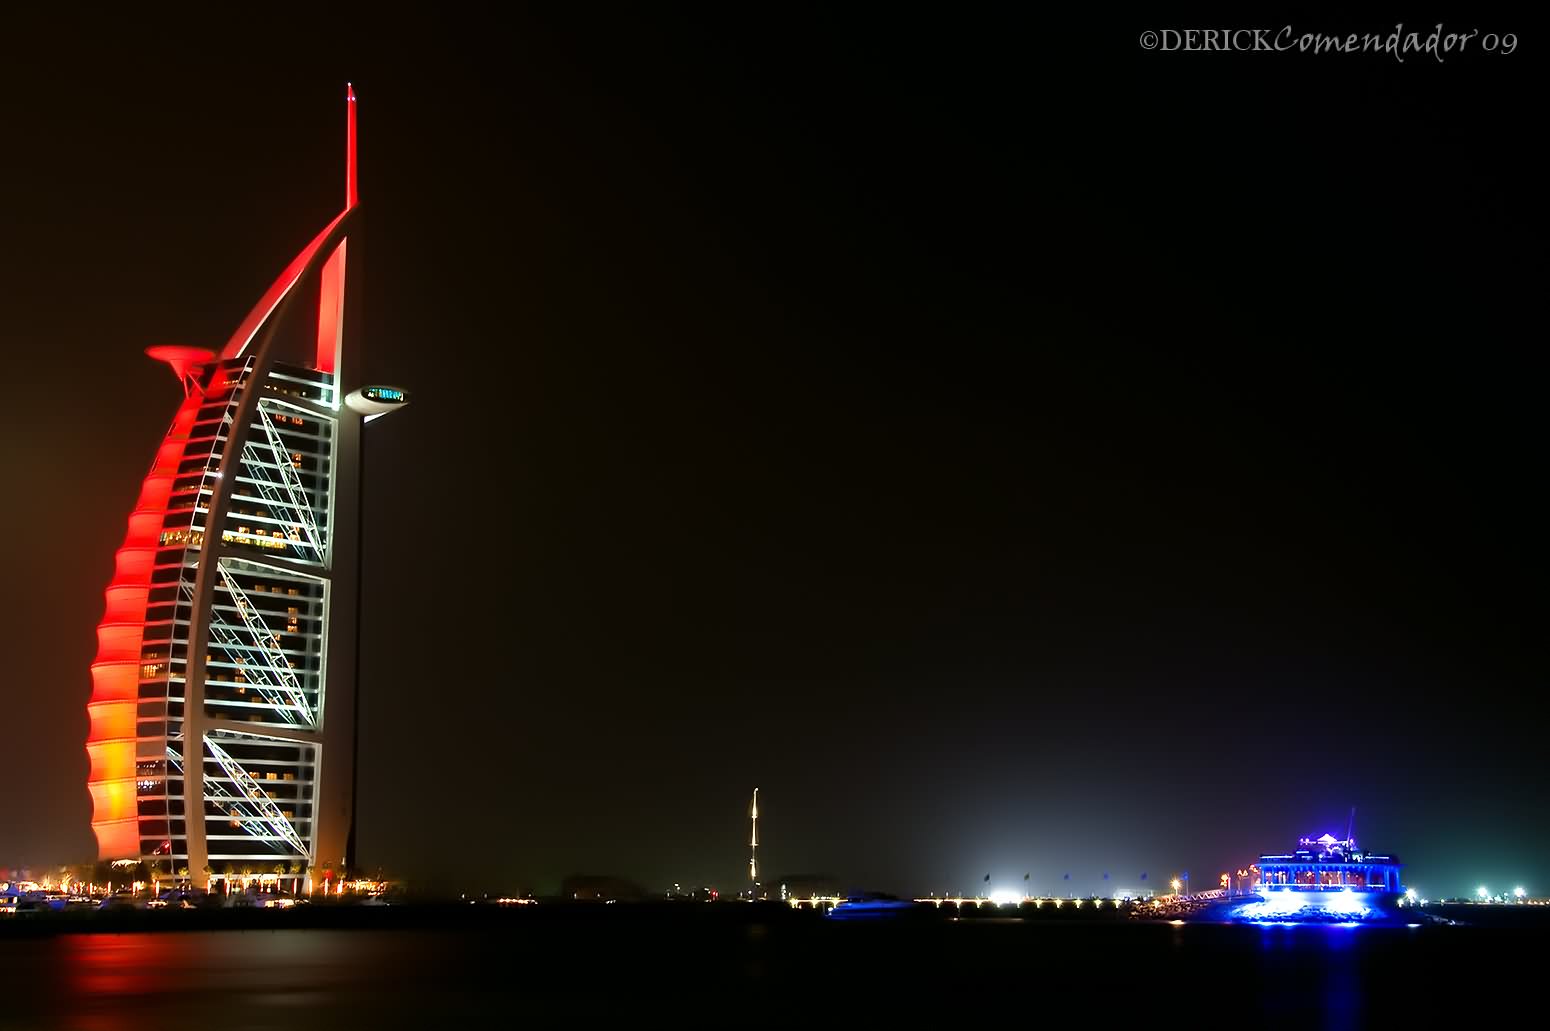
pixel 216 791
pixel 288 496
pixel 248 818
pixel 263 674
pixel 257 798
pixel 275 671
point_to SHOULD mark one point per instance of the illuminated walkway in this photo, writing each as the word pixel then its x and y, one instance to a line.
pixel 1161 902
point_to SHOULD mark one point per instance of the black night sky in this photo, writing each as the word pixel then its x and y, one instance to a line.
pixel 1011 450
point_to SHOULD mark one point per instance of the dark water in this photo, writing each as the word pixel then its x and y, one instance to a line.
pixel 740 967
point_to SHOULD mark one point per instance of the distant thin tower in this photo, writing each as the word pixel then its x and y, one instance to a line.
pixel 753 841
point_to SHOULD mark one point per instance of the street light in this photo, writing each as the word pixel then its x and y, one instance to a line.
pixel 1482 892
pixel 1176 886
pixel 1518 892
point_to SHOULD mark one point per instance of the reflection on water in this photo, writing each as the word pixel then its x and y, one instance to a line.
pixel 551 971
pixel 231 979
pixel 1316 965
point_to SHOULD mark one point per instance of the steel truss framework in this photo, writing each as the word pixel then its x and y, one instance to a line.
pixel 289 495
pixel 272 675
pixel 252 812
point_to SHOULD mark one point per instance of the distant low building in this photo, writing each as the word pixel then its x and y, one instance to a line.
pixel 807 886
pixel 600 888
pixel 692 893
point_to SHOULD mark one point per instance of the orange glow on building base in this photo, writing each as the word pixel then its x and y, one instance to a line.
pixel 115 674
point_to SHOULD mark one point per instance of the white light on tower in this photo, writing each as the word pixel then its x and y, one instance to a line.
pixel 753 840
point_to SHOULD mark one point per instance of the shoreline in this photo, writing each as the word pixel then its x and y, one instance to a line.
pixel 479 916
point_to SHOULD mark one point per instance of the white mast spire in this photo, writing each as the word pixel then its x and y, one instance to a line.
pixel 753 841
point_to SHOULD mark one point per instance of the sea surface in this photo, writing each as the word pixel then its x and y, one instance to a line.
pixel 730 965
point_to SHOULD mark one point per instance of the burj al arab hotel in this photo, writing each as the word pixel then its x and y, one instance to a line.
pixel 224 691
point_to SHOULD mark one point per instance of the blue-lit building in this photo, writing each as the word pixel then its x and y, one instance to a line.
pixel 1323 880
pixel 1328 864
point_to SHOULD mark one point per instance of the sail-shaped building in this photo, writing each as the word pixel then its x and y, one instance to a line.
pixel 223 701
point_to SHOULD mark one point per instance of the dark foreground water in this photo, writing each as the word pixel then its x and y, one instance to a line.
pixel 728 965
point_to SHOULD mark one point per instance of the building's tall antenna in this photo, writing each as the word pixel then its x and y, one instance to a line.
pixel 1350 828
pixel 753 841
pixel 352 193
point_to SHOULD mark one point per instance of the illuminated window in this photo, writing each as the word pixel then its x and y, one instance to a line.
pixel 271 775
pixel 293 612
pixel 296 459
pixel 292 591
